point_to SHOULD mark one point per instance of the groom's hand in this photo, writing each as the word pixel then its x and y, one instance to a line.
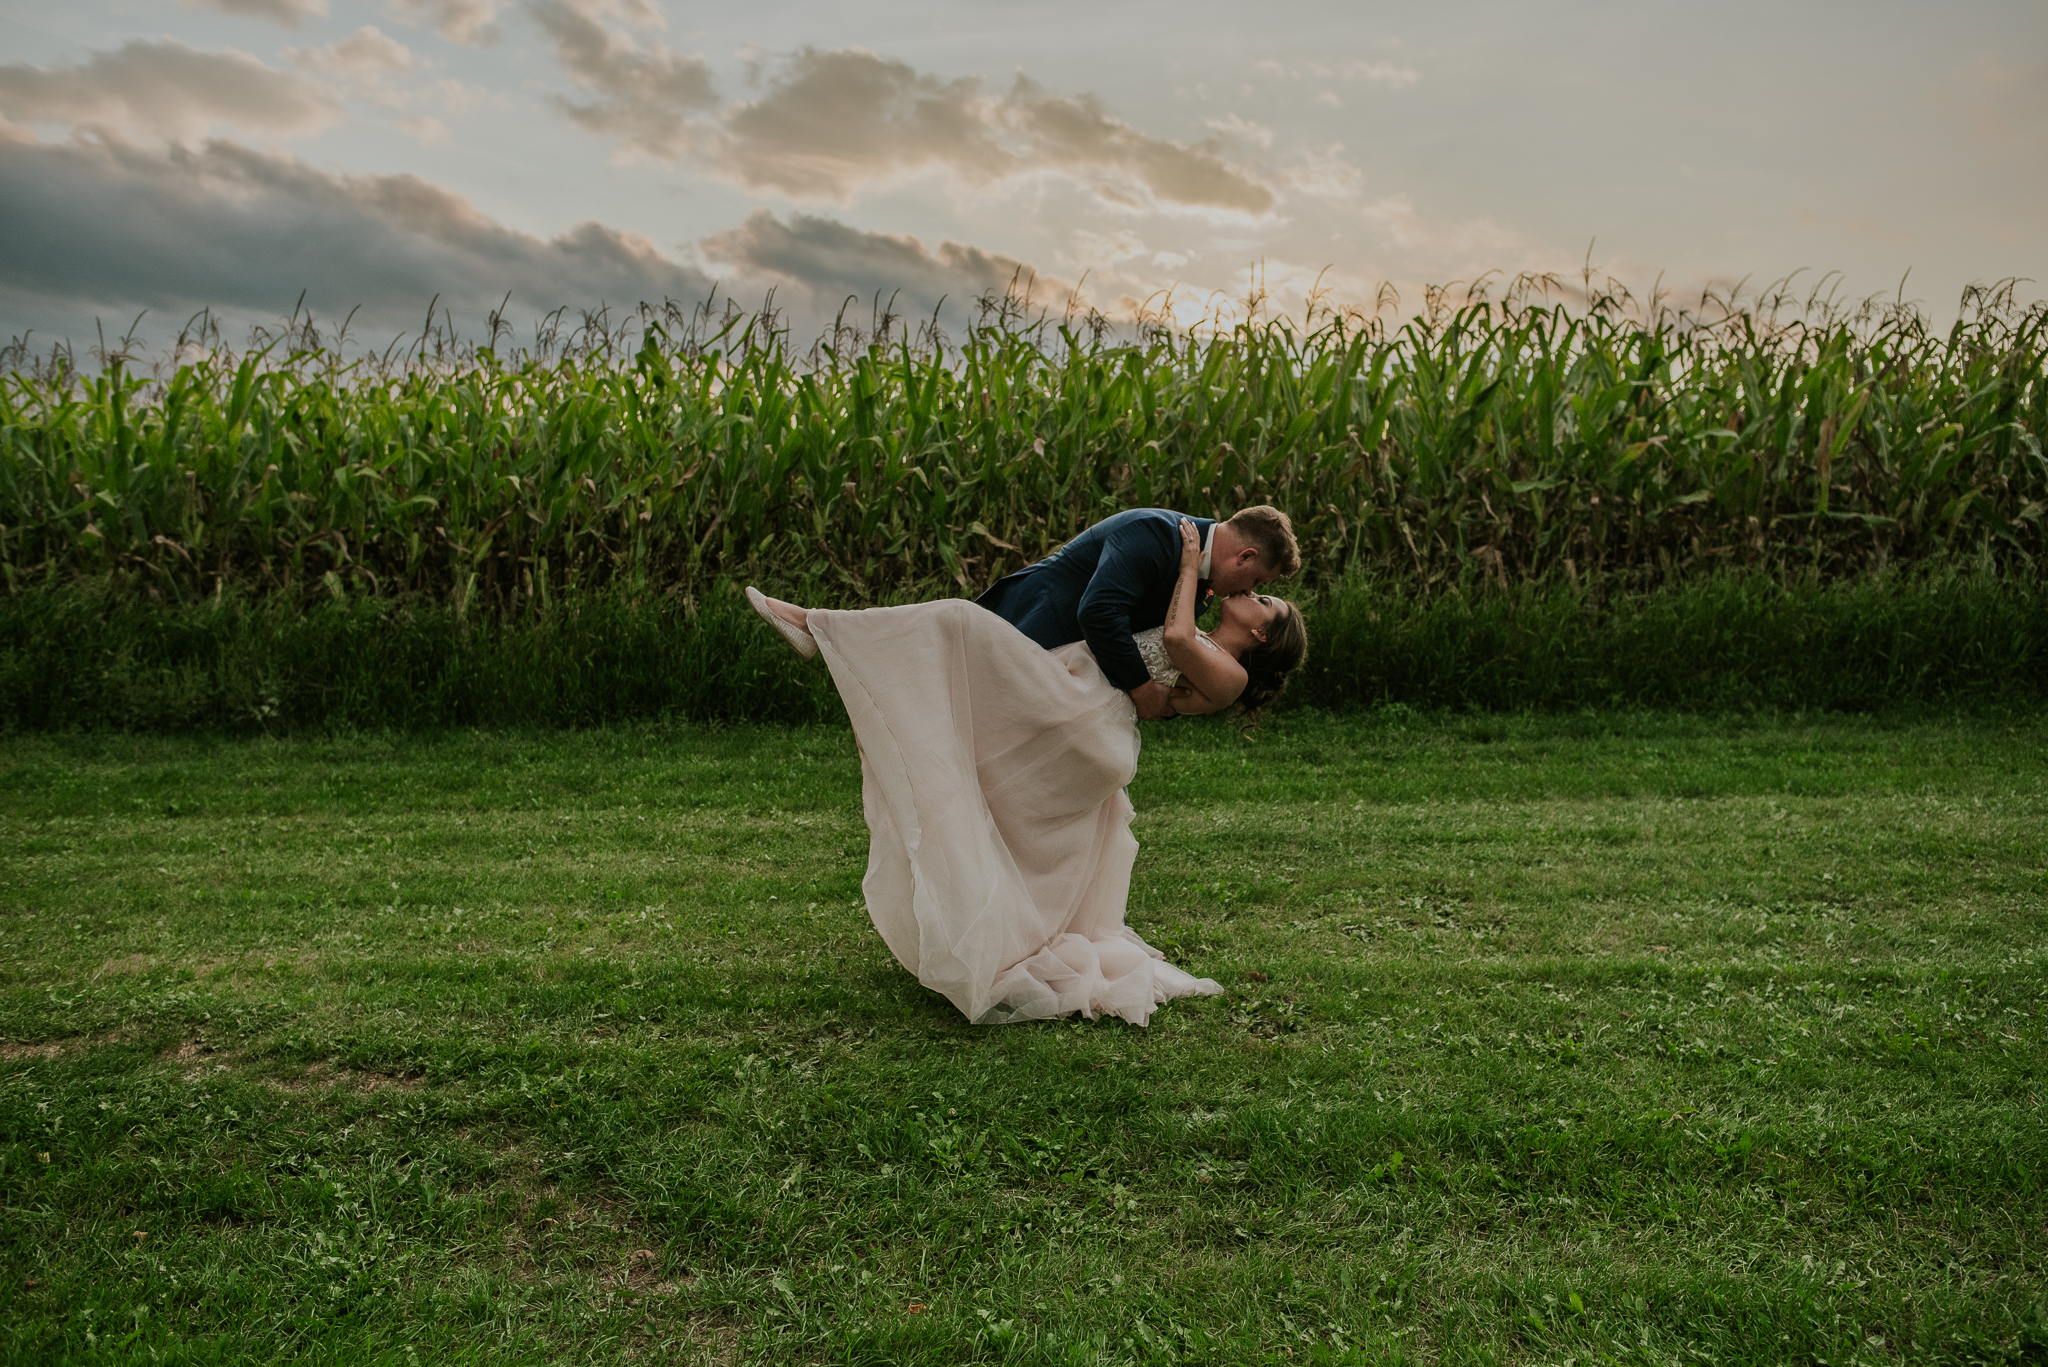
pixel 1154 700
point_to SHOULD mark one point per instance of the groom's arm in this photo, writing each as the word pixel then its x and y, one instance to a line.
pixel 1142 554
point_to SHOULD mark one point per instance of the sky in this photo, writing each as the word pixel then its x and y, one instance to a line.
pixel 166 156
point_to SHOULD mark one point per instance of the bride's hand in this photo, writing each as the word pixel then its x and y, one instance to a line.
pixel 1190 546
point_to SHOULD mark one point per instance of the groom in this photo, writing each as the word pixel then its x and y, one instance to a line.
pixel 1117 578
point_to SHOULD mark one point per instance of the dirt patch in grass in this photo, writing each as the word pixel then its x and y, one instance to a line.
pixel 52 1049
pixel 305 962
pixel 648 1272
pixel 317 1077
pixel 198 1058
pixel 715 1337
pixel 382 1082
pixel 190 1051
pixel 323 1077
pixel 10 1051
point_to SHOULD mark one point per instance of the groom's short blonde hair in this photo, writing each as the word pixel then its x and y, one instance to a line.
pixel 1266 527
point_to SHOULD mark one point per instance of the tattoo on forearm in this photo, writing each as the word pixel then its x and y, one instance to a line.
pixel 1173 605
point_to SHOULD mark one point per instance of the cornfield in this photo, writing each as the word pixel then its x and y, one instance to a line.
pixel 1490 444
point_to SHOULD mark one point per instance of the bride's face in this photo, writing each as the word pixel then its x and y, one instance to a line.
pixel 1252 611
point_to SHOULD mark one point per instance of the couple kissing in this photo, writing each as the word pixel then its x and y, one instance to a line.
pixel 997 738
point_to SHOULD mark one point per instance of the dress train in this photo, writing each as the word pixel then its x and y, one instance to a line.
pixel 1000 851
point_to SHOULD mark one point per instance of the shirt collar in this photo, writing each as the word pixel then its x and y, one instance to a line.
pixel 1208 540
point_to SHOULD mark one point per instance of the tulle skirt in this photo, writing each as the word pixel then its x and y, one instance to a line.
pixel 1000 847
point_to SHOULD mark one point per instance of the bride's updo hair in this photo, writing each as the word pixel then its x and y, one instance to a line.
pixel 1268 663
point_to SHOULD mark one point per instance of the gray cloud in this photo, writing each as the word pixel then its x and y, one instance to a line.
pixel 459 21
pixel 286 12
pixel 101 224
pixel 371 65
pixel 164 88
pixel 830 120
pixel 1075 132
pixel 646 96
pixel 815 264
pixel 367 54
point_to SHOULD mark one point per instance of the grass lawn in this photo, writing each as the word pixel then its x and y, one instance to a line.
pixel 1607 1038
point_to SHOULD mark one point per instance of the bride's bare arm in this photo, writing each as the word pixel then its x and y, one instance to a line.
pixel 1189 703
pixel 1211 678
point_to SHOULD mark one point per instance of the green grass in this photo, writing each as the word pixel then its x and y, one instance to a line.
pixel 1601 1038
pixel 76 659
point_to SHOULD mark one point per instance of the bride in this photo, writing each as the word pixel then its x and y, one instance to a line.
pixel 993 775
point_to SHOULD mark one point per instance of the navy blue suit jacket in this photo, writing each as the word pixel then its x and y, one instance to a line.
pixel 1112 580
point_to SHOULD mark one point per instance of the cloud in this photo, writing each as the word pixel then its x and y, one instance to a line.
pixel 1234 126
pixel 286 12
pixel 1325 175
pixel 830 121
pixel 103 224
pixel 832 118
pixel 370 65
pixel 1382 73
pixel 1442 250
pixel 824 262
pixel 1075 134
pixel 163 88
pixel 646 96
pixel 366 53
pixel 1093 249
pixel 459 21
pixel 1437 247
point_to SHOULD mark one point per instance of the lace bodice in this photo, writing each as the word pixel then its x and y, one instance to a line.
pixel 1151 644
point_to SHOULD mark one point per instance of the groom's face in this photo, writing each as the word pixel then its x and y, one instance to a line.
pixel 1243 572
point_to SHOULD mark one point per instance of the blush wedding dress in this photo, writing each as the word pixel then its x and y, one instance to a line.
pixel 993 775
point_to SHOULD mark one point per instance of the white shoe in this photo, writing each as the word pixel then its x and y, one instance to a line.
pixel 799 640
